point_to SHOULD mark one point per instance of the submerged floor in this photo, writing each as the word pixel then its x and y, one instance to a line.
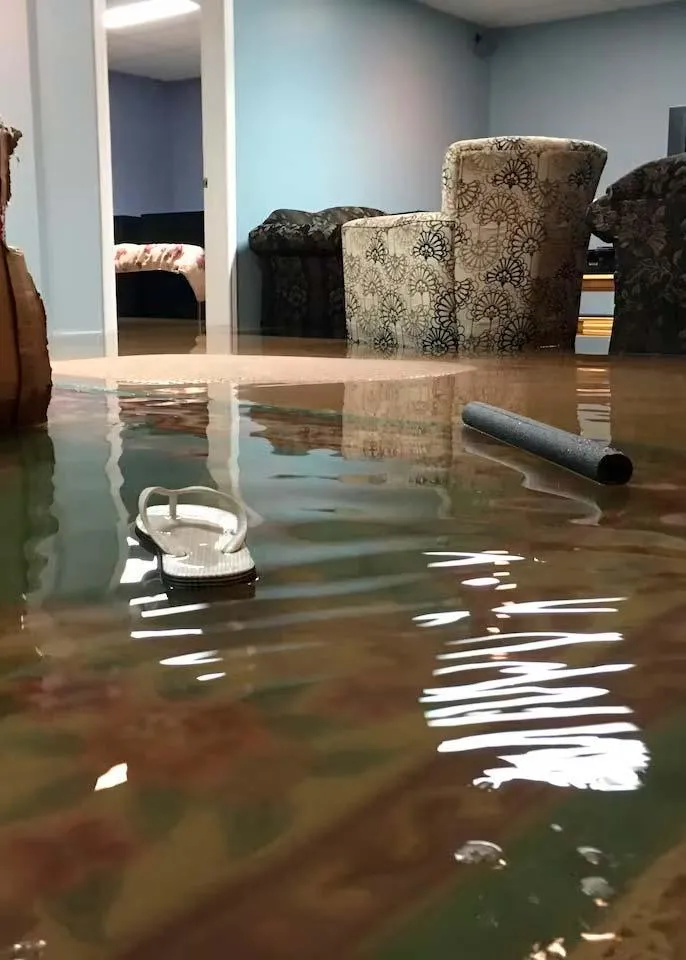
pixel 449 642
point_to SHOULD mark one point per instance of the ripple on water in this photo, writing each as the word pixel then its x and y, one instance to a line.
pixel 501 681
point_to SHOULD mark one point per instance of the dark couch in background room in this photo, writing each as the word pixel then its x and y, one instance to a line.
pixel 301 259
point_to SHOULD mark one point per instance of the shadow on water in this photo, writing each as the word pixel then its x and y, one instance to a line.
pixel 451 647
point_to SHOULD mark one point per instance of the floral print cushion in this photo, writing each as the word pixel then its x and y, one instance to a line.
pixel 183 258
pixel 514 210
pixel 643 214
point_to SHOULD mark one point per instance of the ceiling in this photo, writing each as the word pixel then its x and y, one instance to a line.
pixel 511 13
pixel 167 50
pixel 170 50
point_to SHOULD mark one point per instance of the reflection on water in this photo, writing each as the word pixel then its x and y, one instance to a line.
pixel 450 645
pixel 594 403
pixel 490 684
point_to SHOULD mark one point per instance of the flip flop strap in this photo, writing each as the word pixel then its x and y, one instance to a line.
pixel 168 542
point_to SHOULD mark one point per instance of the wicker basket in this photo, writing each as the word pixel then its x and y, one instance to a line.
pixel 25 376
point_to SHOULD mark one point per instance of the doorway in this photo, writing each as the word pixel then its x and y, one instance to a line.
pixel 156 127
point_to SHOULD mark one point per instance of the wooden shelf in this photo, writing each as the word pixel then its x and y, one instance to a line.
pixel 598 283
pixel 595 326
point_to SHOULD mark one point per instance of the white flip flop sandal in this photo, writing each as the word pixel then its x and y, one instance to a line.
pixel 196 545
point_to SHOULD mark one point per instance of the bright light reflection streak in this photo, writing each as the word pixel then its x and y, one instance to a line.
pixel 191 659
pixel 459 559
pixel 135 569
pixel 572 638
pixel 533 672
pixel 559 606
pixel 595 763
pixel 142 601
pixel 155 634
pixel 172 611
pixel 547 695
pixel 210 676
pixel 523 647
pixel 591 756
pixel 570 736
pixel 537 713
pixel 114 777
pixel 441 619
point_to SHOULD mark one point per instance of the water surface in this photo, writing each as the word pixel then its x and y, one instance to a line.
pixel 449 642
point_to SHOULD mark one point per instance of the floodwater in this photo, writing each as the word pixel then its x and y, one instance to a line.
pixel 448 721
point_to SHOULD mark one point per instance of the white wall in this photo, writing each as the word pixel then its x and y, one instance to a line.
pixel 71 120
pixel 610 78
pixel 346 102
pixel 52 79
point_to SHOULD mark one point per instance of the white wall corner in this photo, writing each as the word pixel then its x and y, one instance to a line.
pixel 219 159
pixel 102 93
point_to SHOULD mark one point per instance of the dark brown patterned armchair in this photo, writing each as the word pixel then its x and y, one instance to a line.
pixel 300 254
pixel 644 216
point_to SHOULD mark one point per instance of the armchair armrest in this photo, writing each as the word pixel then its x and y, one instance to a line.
pixel 391 221
pixel 399 276
pixel 603 219
pixel 637 195
pixel 301 233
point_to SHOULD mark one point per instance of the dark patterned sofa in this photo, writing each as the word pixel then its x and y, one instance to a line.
pixel 499 267
pixel 644 215
pixel 300 255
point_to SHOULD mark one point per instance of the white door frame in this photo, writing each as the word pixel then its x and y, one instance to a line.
pixel 219 161
pixel 219 153
pixel 102 94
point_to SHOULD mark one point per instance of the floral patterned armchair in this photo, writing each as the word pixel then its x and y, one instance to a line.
pixel 497 269
pixel 302 271
pixel 643 214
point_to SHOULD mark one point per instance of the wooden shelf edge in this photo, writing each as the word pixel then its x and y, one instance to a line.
pixel 595 326
pixel 598 283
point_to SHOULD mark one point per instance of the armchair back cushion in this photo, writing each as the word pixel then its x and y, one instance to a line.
pixel 521 238
pixel 643 215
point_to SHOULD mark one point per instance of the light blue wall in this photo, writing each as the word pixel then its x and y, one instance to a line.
pixel 141 168
pixel 185 132
pixel 346 102
pixel 610 78
pixel 156 131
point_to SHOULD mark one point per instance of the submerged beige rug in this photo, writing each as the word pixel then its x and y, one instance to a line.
pixel 201 368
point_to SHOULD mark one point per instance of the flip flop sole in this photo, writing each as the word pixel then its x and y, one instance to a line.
pixel 192 583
